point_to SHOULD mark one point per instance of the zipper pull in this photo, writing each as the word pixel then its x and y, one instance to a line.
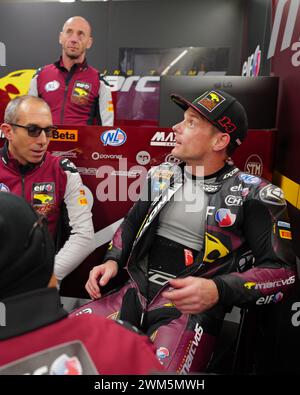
pixel 142 319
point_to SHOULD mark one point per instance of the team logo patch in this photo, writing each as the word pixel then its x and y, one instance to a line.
pixel 43 197
pixel 52 86
pixel 249 284
pixel 3 187
pixel 284 224
pixel 214 248
pixel 80 92
pixel 188 257
pixel 285 234
pixel 162 353
pixel 225 217
pixel 211 101
pixel 249 179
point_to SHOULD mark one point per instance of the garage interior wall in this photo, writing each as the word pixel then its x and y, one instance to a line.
pixel 30 31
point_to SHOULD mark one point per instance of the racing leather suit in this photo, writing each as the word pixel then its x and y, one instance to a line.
pixel 50 187
pixel 75 97
pixel 246 217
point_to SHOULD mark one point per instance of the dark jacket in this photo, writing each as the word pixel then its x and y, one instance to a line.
pixel 247 247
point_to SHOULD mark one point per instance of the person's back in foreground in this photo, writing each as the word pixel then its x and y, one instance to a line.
pixel 36 334
pixel 189 241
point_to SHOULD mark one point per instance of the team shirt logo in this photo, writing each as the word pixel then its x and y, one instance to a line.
pixel 80 93
pixel 52 86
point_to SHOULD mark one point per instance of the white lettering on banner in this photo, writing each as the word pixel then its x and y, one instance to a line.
pixel 98 155
pixel 252 65
pixel 296 316
pixel 122 84
pixel 289 26
pixel 2 54
pixel 296 57
pixel 163 139
pixel 254 165
pixel 107 188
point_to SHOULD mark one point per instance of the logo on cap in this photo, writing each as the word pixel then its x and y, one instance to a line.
pixel 211 101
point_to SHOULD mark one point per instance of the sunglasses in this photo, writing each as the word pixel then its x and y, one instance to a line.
pixel 35 130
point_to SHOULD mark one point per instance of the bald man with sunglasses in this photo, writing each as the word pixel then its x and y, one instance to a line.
pixel 52 185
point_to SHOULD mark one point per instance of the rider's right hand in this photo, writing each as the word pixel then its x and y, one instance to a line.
pixel 100 276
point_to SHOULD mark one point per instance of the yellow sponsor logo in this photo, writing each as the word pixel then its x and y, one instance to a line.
pixel 80 91
pixel 249 284
pixel 65 135
pixel 17 82
pixel 110 106
pixel 285 234
pixel 82 201
pixel 42 197
pixel 214 248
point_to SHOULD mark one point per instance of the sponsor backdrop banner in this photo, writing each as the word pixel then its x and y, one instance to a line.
pixel 284 55
pixel 113 164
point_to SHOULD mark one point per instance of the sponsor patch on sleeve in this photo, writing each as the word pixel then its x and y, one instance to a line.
pixel 285 234
pixel 82 201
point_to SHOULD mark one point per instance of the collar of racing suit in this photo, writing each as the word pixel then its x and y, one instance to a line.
pixel 31 310
pixel 227 171
pixel 78 66
pixel 10 161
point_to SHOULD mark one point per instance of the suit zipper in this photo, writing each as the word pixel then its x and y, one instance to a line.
pixel 67 80
pixel 23 185
pixel 183 274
